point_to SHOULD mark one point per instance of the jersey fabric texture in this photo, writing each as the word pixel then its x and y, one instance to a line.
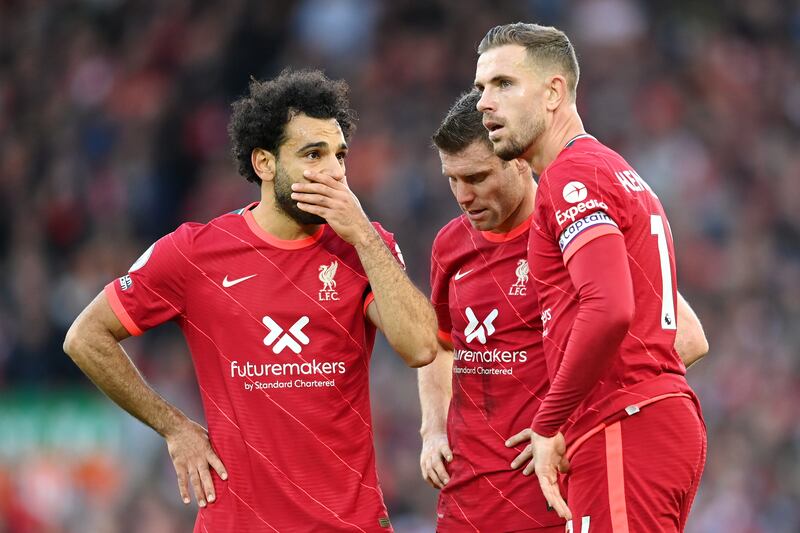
pixel 487 307
pixel 640 473
pixel 587 192
pixel 281 348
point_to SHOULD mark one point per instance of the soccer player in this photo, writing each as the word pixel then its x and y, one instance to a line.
pixel 480 394
pixel 619 411
pixel 278 302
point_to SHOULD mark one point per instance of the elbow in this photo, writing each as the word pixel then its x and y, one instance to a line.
pixel 699 349
pixel 71 340
pixel 618 320
pixel 424 354
pixel 702 347
pixel 422 357
pixel 619 312
pixel 74 340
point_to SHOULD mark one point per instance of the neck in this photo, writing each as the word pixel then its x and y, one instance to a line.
pixel 565 125
pixel 277 223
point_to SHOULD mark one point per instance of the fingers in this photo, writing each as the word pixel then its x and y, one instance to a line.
pixel 315 199
pixel 208 483
pixel 191 459
pixel 433 467
pixel 548 481
pixel 432 477
pixel 519 438
pixel 319 177
pixel 197 487
pixel 313 209
pixel 315 188
pixel 217 465
pixel 530 469
pixel 183 484
pixel 525 455
pixel 440 470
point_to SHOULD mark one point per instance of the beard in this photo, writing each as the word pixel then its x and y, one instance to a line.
pixel 516 145
pixel 284 202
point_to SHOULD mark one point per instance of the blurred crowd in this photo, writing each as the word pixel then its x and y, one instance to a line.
pixel 113 131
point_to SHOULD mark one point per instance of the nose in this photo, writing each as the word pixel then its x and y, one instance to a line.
pixel 334 167
pixel 463 193
pixel 486 102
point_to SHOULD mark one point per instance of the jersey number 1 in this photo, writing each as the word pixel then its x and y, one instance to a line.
pixel 668 318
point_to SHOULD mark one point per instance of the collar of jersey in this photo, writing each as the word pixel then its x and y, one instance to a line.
pixel 513 234
pixel 577 138
pixel 272 240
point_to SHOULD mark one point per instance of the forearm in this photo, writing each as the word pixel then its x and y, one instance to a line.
pixel 99 355
pixel 407 318
pixel 601 273
pixel 435 383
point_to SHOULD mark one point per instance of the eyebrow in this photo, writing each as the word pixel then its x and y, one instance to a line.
pixel 471 176
pixel 500 77
pixel 319 144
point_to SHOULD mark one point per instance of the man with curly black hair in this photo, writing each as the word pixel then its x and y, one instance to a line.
pixel 279 302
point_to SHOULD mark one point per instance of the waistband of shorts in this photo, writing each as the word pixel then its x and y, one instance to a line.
pixel 624 413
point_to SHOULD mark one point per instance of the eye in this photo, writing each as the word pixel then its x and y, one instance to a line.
pixel 505 84
pixel 341 156
pixel 314 154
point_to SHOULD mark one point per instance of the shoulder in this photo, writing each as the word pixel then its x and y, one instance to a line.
pixel 453 242
pixel 452 232
pixel 588 161
pixel 232 223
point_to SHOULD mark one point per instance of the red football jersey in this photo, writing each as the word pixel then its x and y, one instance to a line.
pixel 487 307
pixel 281 347
pixel 590 191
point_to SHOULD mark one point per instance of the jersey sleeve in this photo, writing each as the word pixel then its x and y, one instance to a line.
pixel 153 290
pixel 440 294
pixel 394 248
pixel 578 204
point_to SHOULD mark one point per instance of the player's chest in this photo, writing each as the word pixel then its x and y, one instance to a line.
pixel 492 292
pixel 282 286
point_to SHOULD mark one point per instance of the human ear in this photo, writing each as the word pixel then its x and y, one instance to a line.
pixel 263 163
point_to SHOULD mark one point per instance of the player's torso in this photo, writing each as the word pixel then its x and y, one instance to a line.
pixel 647 351
pixel 297 314
pixel 281 349
pixel 499 378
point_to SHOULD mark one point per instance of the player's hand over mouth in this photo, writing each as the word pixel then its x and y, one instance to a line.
pixel 435 451
pixel 333 200
pixel 191 454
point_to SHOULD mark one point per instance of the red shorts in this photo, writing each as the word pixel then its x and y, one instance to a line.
pixel 640 473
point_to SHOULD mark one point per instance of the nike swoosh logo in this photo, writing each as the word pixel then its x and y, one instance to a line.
pixel 230 283
pixel 460 274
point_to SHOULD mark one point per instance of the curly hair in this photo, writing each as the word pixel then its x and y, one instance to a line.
pixel 259 120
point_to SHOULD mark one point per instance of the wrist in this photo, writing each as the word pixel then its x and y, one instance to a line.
pixel 427 431
pixel 173 422
pixel 364 235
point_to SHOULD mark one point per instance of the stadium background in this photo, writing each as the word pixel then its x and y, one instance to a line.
pixel 112 131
